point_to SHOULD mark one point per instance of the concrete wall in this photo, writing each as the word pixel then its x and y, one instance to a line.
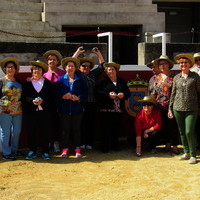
pixel 26 52
pixel 150 51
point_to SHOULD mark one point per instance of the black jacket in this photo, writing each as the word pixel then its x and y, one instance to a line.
pixel 29 94
pixel 104 87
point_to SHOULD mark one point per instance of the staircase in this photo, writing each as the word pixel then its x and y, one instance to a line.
pixel 104 12
pixel 21 21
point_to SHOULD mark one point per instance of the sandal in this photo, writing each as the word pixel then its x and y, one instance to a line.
pixel 138 151
pixel 167 147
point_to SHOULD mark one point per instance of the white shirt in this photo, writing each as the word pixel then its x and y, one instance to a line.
pixel 38 85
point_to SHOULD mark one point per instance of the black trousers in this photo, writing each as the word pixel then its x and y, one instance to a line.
pixel 88 123
pixel 110 129
pixel 153 139
pixel 71 125
pixel 170 133
pixel 39 130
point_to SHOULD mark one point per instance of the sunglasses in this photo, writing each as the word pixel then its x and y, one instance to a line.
pixel 197 60
pixel 147 104
pixel 86 66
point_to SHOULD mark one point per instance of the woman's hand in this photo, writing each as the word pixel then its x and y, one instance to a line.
pixel 146 133
pixel 75 98
pixel 37 102
pixel 120 95
pixel 79 51
pixel 67 96
pixel 149 130
pixel 112 95
pixel 170 114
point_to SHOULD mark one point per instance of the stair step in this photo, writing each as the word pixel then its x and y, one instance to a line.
pixel 35 37
pixel 21 6
pixel 22 1
pixel 25 25
pixel 102 7
pixel 33 16
pixel 104 1
pixel 110 18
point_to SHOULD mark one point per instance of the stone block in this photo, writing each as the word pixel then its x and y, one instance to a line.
pixel 33 16
pixel 102 7
pixel 32 36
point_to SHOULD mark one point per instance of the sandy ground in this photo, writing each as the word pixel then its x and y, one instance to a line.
pixel 113 176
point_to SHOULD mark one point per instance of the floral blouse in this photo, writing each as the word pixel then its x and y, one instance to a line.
pixel 10 97
pixel 162 90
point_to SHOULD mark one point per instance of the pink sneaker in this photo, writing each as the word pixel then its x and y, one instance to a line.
pixel 65 153
pixel 78 153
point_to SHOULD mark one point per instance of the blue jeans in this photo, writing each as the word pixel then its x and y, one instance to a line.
pixel 10 132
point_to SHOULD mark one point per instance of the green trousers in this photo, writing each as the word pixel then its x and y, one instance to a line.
pixel 186 121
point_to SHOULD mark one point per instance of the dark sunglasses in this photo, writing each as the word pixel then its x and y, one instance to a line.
pixel 147 104
pixel 86 66
pixel 196 60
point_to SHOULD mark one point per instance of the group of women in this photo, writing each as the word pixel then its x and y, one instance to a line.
pixel 175 99
pixel 57 104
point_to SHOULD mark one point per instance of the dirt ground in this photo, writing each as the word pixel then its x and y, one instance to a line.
pixel 96 176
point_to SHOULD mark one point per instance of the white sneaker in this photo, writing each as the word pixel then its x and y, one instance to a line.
pixel 192 160
pixel 185 157
pixel 88 147
pixel 56 147
pixel 82 147
pixel 78 155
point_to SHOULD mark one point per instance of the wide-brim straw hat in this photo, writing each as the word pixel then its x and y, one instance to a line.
pixel 148 99
pixel 185 55
pixel 53 52
pixel 40 64
pixel 76 61
pixel 196 55
pixel 112 64
pixel 151 64
pixel 85 59
pixel 9 59
pixel 163 57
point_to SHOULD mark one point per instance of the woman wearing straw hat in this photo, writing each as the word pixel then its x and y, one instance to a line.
pixel 148 123
pixel 162 91
pixel 38 101
pixel 111 93
pixel 71 91
pixel 155 69
pixel 196 67
pixel 184 104
pixel 10 108
pixel 89 75
pixel 53 59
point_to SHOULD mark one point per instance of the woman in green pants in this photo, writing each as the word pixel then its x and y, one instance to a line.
pixel 184 104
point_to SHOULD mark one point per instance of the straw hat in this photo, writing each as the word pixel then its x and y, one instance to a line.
pixel 64 61
pixel 151 64
pixel 53 52
pixel 148 99
pixel 163 57
pixel 185 55
pixel 196 55
pixel 9 59
pixel 112 64
pixel 40 64
pixel 85 59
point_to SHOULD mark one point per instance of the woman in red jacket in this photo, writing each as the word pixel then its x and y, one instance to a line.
pixel 148 122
